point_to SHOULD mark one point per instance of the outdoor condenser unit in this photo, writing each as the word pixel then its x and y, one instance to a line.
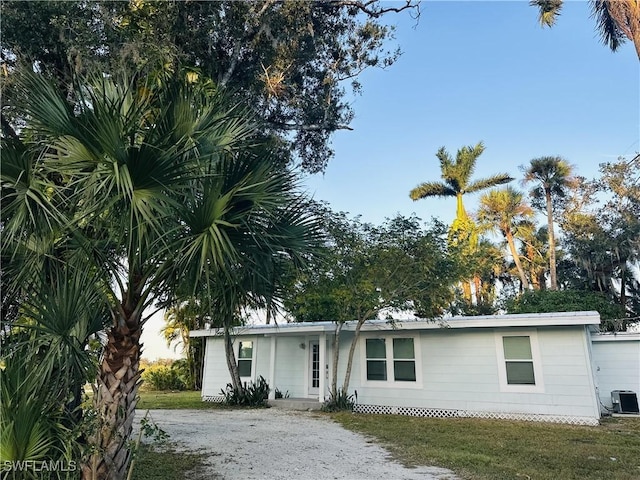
pixel 624 401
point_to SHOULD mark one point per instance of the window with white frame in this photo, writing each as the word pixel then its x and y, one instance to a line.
pixel 390 359
pixel 520 364
pixel 518 360
pixel 245 358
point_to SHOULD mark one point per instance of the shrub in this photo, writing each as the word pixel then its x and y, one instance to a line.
pixel 160 377
pixel 340 401
pixel 249 395
pixel 546 301
pixel 279 393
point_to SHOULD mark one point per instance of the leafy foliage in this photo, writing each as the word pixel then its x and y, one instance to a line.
pixel 250 395
pixel 160 377
pixel 290 61
pixel 547 301
pixel 340 401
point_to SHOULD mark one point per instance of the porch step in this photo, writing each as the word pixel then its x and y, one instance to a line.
pixel 296 403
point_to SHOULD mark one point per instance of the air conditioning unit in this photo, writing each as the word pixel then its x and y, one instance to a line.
pixel 624 401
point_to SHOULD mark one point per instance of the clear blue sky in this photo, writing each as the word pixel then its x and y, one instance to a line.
pixel 486 71
pixel 475 71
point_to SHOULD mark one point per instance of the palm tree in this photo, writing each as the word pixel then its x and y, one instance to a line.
pixel 615 19
pixel 534 251
pixel 168 184
pixel 504 210
pixel 553 178
pixel 456 178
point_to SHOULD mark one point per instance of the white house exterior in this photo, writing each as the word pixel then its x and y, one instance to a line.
pixel 530 366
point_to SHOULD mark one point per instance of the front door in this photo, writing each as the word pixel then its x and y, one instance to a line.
pixel 314 368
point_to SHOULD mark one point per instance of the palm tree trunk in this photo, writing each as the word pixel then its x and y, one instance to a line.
pixel 115 399
pixel 516 258
pixel 552 242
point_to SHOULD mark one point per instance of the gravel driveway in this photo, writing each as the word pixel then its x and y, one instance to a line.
pixel 280 444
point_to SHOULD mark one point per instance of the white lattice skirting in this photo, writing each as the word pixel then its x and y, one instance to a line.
pixel 213 398
pixel 442 413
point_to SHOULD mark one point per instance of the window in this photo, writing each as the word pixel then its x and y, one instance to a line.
pixel 404 363
pixel 518 360
pixel 245 358
pixel 376 359
pixel 390 359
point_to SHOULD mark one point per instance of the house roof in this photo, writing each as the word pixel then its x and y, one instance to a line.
pixel 486 321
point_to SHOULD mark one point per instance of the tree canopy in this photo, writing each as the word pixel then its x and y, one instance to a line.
pixel 291 61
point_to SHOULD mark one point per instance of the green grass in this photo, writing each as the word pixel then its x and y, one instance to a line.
pixel 150 400
pixel 153 463
pixel 496 449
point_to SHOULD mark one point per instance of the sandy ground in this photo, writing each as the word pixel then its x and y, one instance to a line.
pixel 281 444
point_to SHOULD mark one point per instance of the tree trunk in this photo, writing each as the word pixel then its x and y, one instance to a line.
pixel 352 349
pixel 115 398
pixel 516 258
pixel 466 291
pixel 477 286
pixel 232 365
pixel 552 242
pixel 336 357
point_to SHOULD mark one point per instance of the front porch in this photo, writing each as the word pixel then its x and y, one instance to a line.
pixel 302 404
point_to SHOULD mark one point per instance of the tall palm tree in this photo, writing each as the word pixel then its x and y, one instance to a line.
pixel 504 210
pixel 615 19
pixel 168 184
pixel 456 176
pixel 553 177
pixel 534 251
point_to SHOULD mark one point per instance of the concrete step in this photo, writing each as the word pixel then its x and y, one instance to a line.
pixel 296 403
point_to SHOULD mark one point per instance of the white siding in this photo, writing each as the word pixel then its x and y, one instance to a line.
pixel 216 374
pixel 616 361
pixel 460 371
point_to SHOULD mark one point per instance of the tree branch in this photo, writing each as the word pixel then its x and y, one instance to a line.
pixel 370 7
pixel 313 127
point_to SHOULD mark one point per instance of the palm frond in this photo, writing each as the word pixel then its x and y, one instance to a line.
pixel 432 189
pixel 613 19
pixel 488 182
pixel 548 11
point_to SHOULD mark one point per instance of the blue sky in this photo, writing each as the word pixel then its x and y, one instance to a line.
pixel 475 71
pixel 487 71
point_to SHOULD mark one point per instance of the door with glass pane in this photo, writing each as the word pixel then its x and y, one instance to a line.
pixel 314 368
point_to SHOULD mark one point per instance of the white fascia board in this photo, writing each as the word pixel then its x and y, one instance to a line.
pixel 485 321
pixel 267 330
pixel 616 337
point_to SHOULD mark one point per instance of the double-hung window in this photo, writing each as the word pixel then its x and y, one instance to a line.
pixel 390 360
pixel 518 360
pixel 245 358
pixel 520 366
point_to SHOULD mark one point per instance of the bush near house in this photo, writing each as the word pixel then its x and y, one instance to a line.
pixel 547 301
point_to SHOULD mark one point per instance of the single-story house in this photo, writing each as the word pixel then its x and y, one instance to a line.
pixel 545 367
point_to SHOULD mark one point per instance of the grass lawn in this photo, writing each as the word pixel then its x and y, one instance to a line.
pixel 179 400
pixel 491 449
pixel 167 464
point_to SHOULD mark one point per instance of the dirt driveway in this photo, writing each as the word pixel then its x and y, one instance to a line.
pixel 280 444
